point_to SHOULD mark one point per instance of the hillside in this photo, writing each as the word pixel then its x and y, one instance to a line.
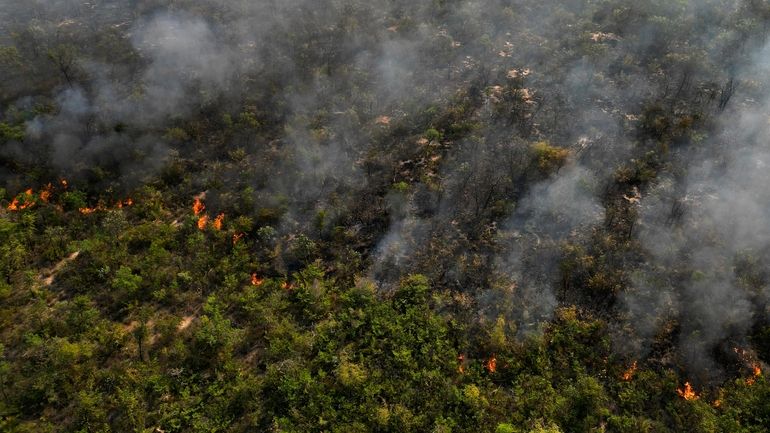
pixel 508 216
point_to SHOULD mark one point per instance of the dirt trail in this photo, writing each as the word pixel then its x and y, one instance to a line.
pixel 47 276
pixel 185 323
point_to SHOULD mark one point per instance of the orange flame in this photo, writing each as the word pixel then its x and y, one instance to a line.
pixel 687 392
pixel 756 368
pixel 461 367
pixel 127 202
pixel 218 221
pixel 629 374
pixel 237 237
pixel 198 206
pixel 202 222
pixel 717 403
pixel 98 208
pixel 756 371
pixel 256 281
pixel 287 285
pixel 27 200
pixel 492 364
pixel 45 194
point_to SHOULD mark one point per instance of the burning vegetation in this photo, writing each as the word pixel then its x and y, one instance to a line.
pixel 203 221
pixel 198 206
pixel 491 364
pixel 219 221
pixel 45 194
pixel 749 359
pixel 98 208
pixel 125 203
pixel 630 372
pixel 22 201
pixel 393 194
pixel 28 199
pixel 687 393
pixel 756 372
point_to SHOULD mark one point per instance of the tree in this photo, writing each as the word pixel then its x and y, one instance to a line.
pixel 64 57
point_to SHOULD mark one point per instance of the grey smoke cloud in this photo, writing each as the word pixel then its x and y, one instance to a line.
pixel 186 63
pixel 553 211
pixel 186 66
pixel 697 222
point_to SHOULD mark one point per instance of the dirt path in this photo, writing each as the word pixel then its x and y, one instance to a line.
pixel 47 276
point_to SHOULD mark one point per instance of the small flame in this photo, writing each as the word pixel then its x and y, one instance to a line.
pixel 202 222
pixel 629 374
pixel 27 200
pixel 717 403
pixel 461 361
pixel 237 237
pixel 218 221
pixel 100 207
pixel 256 281
pixel 492 364
pixel 756 371
pixel 45 194
pixel 748 358
pixel 687 392
pixel 287 285
pixel 198 206
pixel 127 202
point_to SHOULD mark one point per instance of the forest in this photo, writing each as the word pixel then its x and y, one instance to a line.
pixel 350 216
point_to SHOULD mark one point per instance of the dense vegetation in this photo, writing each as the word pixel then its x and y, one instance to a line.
pixel 400 216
